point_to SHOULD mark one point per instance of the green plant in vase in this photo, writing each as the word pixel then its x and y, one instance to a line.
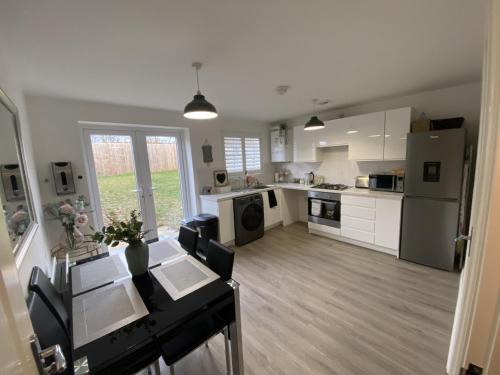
pixel 129 231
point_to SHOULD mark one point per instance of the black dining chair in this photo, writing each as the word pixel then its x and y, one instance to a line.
pixel 40 284
pixel 188 238
pixel 48 330
pixel 220 259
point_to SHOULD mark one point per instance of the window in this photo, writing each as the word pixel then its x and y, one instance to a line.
pixel 242 153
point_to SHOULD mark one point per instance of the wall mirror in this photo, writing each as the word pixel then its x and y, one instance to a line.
pixel 15 195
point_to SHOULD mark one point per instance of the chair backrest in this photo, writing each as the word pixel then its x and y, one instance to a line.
pixel 41 285
pixel 220 259
pixel 188 238
pixel 48 329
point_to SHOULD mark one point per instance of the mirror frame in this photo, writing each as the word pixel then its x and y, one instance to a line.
pixel 30 231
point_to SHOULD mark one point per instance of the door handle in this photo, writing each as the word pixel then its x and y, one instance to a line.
pixel 463 237
pixel 58 365
pixel 42 356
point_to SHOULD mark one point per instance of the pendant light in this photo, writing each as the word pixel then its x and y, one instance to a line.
pixel 199 108
pixel 314 123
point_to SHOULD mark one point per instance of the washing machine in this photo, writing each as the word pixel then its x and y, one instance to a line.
pixel 248 218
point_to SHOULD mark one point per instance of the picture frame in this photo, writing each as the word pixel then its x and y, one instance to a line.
pixel 221 178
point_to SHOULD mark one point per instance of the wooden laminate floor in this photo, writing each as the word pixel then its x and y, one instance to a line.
pixel 311 305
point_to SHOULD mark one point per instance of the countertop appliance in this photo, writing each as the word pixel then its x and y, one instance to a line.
pixel 331 186
pixel 362 182
pixel 248 218
pixel 434 178
pixel 324 208
pixel 309 178
pixel 386 182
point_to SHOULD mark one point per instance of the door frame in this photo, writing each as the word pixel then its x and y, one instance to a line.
pixel 485 165
pixel 134 130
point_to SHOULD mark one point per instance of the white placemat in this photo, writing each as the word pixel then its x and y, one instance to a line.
pixel 164 251
pixel 104 310
pixel 183 276
pixel 97 273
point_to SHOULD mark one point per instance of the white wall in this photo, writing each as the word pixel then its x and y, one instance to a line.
pixel 463 100
pixel 57 135
pixel 37 252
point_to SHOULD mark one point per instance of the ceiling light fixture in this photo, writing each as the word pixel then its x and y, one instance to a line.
pixel 351 132
pixel 314 123
pixel 199 108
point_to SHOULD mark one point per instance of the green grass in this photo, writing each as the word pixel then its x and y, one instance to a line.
pixel 117 196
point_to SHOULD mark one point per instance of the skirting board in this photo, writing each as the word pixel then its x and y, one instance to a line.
pixel 357 243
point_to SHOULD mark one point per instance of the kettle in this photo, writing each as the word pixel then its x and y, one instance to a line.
pixel 309 178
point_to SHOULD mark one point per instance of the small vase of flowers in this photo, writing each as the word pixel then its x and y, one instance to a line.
pixel 73 216
pixel 129 231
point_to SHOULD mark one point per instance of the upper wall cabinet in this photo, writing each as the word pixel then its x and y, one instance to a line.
pixel 397 126
pixel 304 145
pixel 366 136
pixel 334 133
pixel 281 145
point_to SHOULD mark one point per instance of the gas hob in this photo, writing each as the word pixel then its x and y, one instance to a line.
pixel 331 186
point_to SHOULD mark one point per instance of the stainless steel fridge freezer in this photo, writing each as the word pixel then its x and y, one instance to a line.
pixel 431 205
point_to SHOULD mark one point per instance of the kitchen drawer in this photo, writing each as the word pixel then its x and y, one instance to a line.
pixel 358 201
pixel 323 228
pixel 357 212
pixel 355 223
pixel 358 235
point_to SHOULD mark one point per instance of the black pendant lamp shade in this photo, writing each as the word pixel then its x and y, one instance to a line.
pixel 314 123
pixel 199 108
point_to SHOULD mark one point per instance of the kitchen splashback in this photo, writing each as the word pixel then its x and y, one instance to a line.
pixel 337 168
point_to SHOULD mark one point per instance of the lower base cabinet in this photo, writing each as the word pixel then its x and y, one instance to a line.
pixel 374 221
pixel 223 209
pixel 388 223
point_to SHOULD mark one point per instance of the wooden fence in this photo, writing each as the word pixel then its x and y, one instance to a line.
pixel 112 158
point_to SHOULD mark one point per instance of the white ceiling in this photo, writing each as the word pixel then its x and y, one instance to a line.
pixel 140 52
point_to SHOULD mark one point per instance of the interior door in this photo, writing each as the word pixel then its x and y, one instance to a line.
pixel 16 357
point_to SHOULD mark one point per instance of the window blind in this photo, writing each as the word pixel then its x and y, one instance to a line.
pixel 252 154
pixel 233 152
pixel 242 153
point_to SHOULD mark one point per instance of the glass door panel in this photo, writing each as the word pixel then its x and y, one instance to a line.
pixel 163 159
pixel 115 174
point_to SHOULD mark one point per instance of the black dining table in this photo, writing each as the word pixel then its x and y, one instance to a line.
pixel 171 325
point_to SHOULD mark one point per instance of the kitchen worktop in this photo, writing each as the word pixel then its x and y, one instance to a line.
pixel 295 186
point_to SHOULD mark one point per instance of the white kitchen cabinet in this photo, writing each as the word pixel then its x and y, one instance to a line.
pixel 281 144
pixel 397 126
pixel 333 134
pixel 367 137
pixel 388 223
pixel 224 211
pixel 304 145
pixel 272 216
pixel 374 221
pixel 358 235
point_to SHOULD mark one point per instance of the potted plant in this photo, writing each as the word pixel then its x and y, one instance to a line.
pixel 130 231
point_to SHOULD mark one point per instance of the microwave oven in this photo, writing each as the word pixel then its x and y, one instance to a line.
pixel 386 182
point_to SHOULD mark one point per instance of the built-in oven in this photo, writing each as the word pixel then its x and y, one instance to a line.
pixel 324 208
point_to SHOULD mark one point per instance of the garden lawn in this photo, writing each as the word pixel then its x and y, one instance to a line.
pixel 117 196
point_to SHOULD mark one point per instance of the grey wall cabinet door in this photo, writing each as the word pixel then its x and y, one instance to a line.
pixel 429 231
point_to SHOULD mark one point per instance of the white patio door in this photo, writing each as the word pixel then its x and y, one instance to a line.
pixel 138 170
